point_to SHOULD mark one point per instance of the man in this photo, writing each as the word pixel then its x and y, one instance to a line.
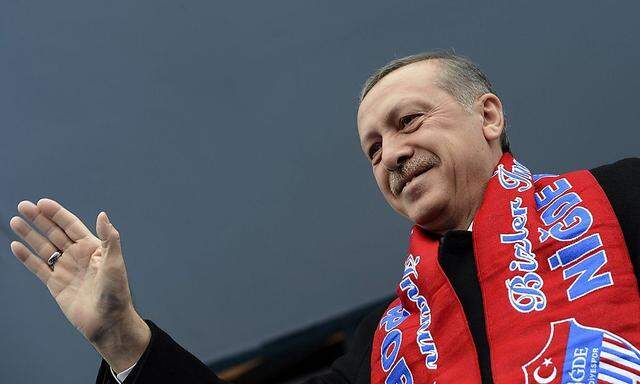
pixel 510 277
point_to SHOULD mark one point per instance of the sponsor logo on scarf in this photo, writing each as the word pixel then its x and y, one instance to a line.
pixel 589 355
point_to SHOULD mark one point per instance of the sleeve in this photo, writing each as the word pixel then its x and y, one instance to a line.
pixel 354 367
pixel 620 181
pixel 165 361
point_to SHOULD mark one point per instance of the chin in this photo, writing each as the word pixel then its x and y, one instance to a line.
pixel 427 212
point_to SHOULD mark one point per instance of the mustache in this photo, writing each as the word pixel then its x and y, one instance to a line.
pixel 410 169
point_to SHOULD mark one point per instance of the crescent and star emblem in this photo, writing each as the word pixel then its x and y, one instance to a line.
pixel 546 379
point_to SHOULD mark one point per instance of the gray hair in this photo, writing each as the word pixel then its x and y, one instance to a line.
pixel 460 77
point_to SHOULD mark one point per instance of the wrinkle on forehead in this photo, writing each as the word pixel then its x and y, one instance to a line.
pixel 420 74
pixel 413 84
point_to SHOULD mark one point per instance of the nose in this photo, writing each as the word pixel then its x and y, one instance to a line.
pixel 395 152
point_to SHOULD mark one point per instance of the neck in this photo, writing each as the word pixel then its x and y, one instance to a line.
pixel 463 219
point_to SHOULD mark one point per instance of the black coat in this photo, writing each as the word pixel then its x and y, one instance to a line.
pixel 164 361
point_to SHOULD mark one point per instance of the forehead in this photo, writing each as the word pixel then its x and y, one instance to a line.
pixel 414 82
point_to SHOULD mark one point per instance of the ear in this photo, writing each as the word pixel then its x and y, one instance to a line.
pixel 493 116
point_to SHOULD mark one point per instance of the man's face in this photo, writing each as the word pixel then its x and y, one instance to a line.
pixel 431 157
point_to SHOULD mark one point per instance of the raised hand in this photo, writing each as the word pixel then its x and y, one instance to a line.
pixel 89 280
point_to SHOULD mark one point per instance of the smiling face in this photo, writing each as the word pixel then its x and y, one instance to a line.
pixel 431 156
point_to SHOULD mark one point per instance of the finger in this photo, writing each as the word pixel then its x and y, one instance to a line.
pixel 70 224
pixel 40 244
pixel 109 236
pixel 51 230
pixel 33 263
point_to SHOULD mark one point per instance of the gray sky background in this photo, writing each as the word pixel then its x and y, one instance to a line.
pixel 221 139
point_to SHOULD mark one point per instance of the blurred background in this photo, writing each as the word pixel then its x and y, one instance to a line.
pixel 220 137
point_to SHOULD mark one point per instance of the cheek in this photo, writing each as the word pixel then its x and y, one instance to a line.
pixel 381 180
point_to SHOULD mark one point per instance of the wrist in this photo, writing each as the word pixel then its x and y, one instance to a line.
pixel 123 344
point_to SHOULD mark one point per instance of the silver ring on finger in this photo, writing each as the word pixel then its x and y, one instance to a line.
pixel 53 259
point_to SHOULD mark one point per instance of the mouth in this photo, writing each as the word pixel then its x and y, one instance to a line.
pixel 407 180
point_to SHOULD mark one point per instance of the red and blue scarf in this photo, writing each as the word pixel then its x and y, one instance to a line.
pixel 559 293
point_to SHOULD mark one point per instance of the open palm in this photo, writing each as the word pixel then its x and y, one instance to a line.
pixel 89 281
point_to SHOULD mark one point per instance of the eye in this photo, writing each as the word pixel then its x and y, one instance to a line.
pixel 406 120
pixel 373 150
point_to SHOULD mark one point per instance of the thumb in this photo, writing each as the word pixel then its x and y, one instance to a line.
pixel 109 236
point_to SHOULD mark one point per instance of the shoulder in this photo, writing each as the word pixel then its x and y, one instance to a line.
pixel 621 183
pixel 363 335
pixel 618 171
pixel 355 366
